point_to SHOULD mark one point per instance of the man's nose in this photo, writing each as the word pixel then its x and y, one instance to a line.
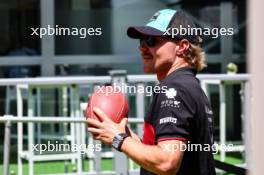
pixel 142 47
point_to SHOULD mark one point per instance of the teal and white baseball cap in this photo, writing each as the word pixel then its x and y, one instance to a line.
pixel 163 23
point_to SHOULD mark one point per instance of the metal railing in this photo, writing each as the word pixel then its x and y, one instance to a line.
pixel 77 122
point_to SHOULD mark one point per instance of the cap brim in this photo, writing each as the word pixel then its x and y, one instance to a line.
pixel 139 31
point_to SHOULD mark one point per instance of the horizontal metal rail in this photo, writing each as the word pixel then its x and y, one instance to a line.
pixel 107 79
pixel 53 119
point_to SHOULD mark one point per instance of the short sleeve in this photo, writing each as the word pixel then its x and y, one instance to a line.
pixel 175 110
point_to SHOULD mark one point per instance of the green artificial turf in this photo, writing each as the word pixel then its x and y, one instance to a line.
pixel 57 167
pixel 231 158
pixel 52 167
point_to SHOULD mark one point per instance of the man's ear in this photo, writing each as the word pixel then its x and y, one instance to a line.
pixel 182 46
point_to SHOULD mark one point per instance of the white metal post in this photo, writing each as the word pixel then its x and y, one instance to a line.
pixel 30 131
pixel 65 107
pixel 19 130
pixel 64 104
pixel 72 125
pixel 7 148
pixel 97 158
pixel 222 116
pixel 7 101
pixel 91 155
pixel 38 96
pixel 120 166
pixel 140 107
pixel 243 112
pixel 204 86
pixel 78 126
pixel 140 112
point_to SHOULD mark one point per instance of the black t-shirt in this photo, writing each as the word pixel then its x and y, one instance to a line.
pixel 182 112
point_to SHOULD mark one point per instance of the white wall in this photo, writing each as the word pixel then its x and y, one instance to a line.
pixel 256 61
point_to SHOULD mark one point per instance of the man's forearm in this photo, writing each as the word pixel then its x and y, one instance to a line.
pixel 133 135
pixel 152 158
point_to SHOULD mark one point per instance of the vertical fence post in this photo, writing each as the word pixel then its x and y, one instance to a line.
pixel 7 147
pixel 121 165
pixel 31 131
pixel 222 119
pixel 19 129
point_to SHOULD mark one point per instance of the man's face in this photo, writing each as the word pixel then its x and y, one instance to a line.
pixel 158 54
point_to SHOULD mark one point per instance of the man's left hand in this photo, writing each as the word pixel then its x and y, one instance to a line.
pixel 107 129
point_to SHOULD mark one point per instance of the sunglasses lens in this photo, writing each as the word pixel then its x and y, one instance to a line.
pixel 150 41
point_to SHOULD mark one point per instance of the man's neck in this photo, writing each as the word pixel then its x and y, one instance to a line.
pixel 179 64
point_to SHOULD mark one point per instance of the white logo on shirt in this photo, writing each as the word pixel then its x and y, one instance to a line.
pixel 168 120
pixel 171 93
pixel 208 110
pixel 170 103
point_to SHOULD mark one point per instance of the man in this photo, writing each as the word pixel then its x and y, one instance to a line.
pixel 178 118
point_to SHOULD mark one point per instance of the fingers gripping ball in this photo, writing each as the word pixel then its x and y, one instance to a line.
pixel 111 101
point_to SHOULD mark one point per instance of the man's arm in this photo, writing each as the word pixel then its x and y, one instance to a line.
pixel 161 159
pixel 132 134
